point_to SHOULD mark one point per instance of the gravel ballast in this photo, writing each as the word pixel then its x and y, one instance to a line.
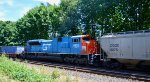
pixel 76 76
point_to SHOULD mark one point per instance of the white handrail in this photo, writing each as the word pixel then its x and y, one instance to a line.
pixel 129 32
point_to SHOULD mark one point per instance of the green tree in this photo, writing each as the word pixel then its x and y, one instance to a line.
pixel 39 23
pixel 7 33
pixel 129 15
pixel 90 11
pixel 70 24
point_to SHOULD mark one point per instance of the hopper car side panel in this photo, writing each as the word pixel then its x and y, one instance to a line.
pixel 104 43
pixel 139 48
pixel 114 47
pixel 133 48
pixel 126 48
pixel 147 42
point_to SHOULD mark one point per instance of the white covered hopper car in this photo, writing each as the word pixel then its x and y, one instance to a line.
pixel 131 47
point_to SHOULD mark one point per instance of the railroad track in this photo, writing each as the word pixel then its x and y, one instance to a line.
pixel 100 71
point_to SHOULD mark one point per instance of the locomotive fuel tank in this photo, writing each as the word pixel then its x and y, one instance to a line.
pixel 127 47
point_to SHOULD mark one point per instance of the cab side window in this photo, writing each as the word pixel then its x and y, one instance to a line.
pixel 86 39
pixel 76 40
pixel 59 39
pixel 34 43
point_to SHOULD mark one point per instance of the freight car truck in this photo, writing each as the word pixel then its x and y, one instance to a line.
pixel 129 48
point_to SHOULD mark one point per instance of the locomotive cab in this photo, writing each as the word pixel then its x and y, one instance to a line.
pixel 33 46
pixel 89 45
pixel 83 49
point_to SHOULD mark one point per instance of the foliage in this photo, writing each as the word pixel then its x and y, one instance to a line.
pixel 127 15
pixel 74 17
pixel 5 78
pixel 7 33
pixel 38 23
pixel 70 24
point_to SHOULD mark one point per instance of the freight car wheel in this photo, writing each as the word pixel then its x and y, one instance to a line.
pixel 141 66
pixel 113 65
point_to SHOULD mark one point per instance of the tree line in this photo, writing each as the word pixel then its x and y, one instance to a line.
pixel 74 17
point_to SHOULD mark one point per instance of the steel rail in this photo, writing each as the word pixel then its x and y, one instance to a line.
pixel 100 71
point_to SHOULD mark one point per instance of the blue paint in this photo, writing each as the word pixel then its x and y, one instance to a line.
pixel 66 45
pixel 54 45
pixel 11 49
pixel 40 45
pixel 76 45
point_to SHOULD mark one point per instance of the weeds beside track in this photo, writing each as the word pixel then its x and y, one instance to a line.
pixel 17 71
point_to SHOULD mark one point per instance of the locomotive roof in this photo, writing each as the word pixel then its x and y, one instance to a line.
pixel 80 36
pixel 39 40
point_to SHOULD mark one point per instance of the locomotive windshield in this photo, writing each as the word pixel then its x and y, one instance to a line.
pixel 86 39
pixel 34 43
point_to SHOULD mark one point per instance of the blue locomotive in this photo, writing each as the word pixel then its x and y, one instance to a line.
pixel 76 49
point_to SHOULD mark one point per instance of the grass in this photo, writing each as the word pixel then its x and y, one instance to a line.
pixel 5 78
pixel 15 71
pixel 21 72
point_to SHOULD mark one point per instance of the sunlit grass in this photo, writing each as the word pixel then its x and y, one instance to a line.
pixel 21 72
pixel 5 78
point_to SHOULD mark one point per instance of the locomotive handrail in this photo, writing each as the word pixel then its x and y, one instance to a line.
pixel 129 32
